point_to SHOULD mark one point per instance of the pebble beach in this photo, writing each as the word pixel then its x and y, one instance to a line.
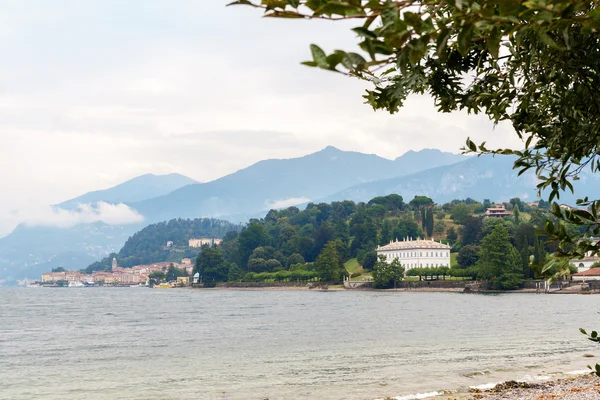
pixel 584 387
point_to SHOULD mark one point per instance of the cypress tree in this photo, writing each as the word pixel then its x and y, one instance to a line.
pixel 386 233
pixel 517 214
pixel 429 221
pixel 527 271
pixel 539 254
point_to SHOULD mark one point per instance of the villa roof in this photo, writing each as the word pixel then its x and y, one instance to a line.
pixel 589 272
pixel 413 244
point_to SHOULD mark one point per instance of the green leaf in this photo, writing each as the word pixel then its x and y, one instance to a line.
pixel 493 43
pixel 364 32
pixel 238 2
pixel 274 4
pixel 509 8
pixel 319 56
pixel 334 59
pixel 283 14
pixel 546 39
pixel 464 39
pixel 472 146
pixel 354 61
pixel 442 42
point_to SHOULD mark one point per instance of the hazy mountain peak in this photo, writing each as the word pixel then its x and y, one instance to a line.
pixel 431 152
pixel 331 149
pixel 140 188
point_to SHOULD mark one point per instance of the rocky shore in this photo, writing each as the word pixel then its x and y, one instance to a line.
pixel 584 387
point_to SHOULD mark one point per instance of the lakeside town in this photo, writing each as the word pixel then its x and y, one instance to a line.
pixel 138 275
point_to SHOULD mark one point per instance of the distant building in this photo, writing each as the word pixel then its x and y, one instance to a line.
pixel 183 280
pixel 585 263
pixel 204 242
pixel 418 253
pixel 196 277
pixel 497 211
pixel 186 264
pixel 588 275
pixel 114 263
pixel 186 261
pixel 170 243
pixel 50 277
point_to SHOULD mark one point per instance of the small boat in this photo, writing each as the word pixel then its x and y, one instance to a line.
pixel 163 285
pixel 76 284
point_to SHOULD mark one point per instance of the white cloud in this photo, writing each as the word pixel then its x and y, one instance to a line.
pixel 111 214
pixel 292 201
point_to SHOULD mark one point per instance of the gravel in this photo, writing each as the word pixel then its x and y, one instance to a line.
pixel 586 387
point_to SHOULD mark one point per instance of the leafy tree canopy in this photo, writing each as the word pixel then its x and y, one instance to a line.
pixel 534 64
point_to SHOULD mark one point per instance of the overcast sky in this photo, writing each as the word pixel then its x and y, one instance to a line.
pixel 93 93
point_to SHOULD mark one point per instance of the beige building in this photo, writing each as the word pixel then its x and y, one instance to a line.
pixel 183 280
pixel 497 211
pixel 204 242
pixel 54 276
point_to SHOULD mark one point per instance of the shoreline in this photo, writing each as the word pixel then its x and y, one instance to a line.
pixel 339 288
pixel 574 385
pixel 581 386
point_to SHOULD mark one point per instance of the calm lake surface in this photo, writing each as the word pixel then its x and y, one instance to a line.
pixel 138 343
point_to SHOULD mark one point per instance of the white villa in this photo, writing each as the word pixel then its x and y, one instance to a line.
pixel 584 264
pixel 417 253
pixel 204 242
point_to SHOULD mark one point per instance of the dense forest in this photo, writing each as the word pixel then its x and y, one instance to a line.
pixel 315 243
pixel 150 244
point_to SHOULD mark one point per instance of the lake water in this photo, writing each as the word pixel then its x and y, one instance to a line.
pixel 137 343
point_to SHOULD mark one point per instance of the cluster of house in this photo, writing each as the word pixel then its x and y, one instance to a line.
pixel 130 276
pixel 119 275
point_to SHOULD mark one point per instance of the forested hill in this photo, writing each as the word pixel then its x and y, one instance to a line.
pixel 315 243
pixel 150 244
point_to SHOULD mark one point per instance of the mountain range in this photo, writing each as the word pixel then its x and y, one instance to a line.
pixel 279 183
pixel 327 175
pixel 485 177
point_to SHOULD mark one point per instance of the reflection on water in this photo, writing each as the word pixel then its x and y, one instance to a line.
pixel 134 343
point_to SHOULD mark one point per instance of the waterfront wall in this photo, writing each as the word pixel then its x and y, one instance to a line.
pixel 441 284
pixel 261 284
